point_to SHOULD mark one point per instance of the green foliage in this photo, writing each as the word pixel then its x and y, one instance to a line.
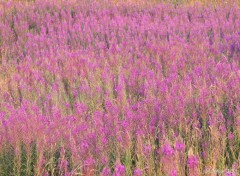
pixel 33 159
pixel 7 162
pixel 24 161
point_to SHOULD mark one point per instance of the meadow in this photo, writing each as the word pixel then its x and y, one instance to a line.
pixel 112 88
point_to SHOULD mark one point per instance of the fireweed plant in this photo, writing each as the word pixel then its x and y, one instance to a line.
pixel 123 90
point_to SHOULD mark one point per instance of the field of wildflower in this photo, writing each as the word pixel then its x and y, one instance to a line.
pixel 119 88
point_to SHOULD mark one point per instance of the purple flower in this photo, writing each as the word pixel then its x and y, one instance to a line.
pixel 120 170
pixel 168 150
pixel 230 173
pixel 192 162
pixel 137 172
pixel 106 172
pixel 180 146
pixel 231 136
pixel 174 173
pixel 147 149
pixel 89 162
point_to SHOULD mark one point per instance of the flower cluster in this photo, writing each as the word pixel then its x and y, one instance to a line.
pixel 97 88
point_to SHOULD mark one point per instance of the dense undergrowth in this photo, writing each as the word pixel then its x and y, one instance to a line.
pixel 100 89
